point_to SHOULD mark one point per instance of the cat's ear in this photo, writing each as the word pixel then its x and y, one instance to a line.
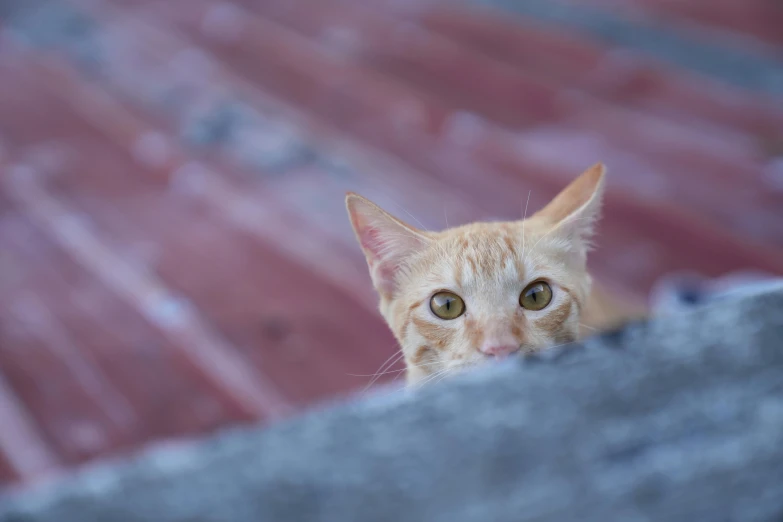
pixel 386 241
pixel 572 214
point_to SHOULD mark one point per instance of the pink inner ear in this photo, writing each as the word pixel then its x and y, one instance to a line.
pixel 385 240
pixel 372 242
pixel 382 268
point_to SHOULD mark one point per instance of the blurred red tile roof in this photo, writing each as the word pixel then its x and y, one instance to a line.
pixel 174 254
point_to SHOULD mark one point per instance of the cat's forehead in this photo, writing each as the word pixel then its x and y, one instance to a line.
pixel 492 240
pixel 476 255
pixel 480 235
pixel 483 256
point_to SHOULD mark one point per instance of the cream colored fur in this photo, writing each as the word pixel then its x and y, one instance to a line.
pixel 488 265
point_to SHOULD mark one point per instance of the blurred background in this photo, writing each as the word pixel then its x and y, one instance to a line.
pixel 174 251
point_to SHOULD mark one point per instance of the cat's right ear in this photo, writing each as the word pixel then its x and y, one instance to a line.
pixel 574 211
pixel 386 241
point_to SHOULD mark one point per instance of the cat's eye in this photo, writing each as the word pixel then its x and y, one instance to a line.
pixel 447 305
pixel 536 296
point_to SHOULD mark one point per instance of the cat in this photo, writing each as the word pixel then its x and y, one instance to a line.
pixel 481 291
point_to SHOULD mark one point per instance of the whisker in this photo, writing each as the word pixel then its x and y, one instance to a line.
pixel 376 374
pixel 388 362
pixel 429 364
pixel 419 365
pixel 384 368
pixel 435 375
pixel 445 375
pixel 388 372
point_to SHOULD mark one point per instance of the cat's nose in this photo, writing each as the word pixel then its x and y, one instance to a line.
pixel 499 350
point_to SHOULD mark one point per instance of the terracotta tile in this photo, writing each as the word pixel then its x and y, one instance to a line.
pixel 441 114
pixel 7 474
pixel 664 148
pixel 755 19
pixel 620 76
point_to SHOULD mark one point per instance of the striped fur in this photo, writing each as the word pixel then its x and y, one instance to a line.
pixel 488 265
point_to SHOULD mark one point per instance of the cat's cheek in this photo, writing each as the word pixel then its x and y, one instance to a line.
pixel 422 355
pixel 437 335
pixel 401 321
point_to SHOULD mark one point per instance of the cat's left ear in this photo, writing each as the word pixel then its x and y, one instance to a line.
pixel 387 242
pixel 572 214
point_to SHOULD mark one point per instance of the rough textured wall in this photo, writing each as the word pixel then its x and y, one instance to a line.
pixel 675 420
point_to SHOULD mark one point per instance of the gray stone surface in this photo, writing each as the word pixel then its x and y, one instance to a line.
pixel 679 419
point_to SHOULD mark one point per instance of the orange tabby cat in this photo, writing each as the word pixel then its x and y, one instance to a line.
pixel 467 294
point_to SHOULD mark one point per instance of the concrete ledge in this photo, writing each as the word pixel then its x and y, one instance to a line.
pixel 679 419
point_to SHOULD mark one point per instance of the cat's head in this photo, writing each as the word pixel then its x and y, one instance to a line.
pixel 468 294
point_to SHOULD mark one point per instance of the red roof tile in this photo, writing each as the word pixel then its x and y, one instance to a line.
pixel 155 287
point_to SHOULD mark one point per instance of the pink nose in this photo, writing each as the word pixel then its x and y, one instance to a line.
pixel 500 350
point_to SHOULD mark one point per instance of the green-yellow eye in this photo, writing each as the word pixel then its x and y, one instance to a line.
pixel 447 305
pixel 536 296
